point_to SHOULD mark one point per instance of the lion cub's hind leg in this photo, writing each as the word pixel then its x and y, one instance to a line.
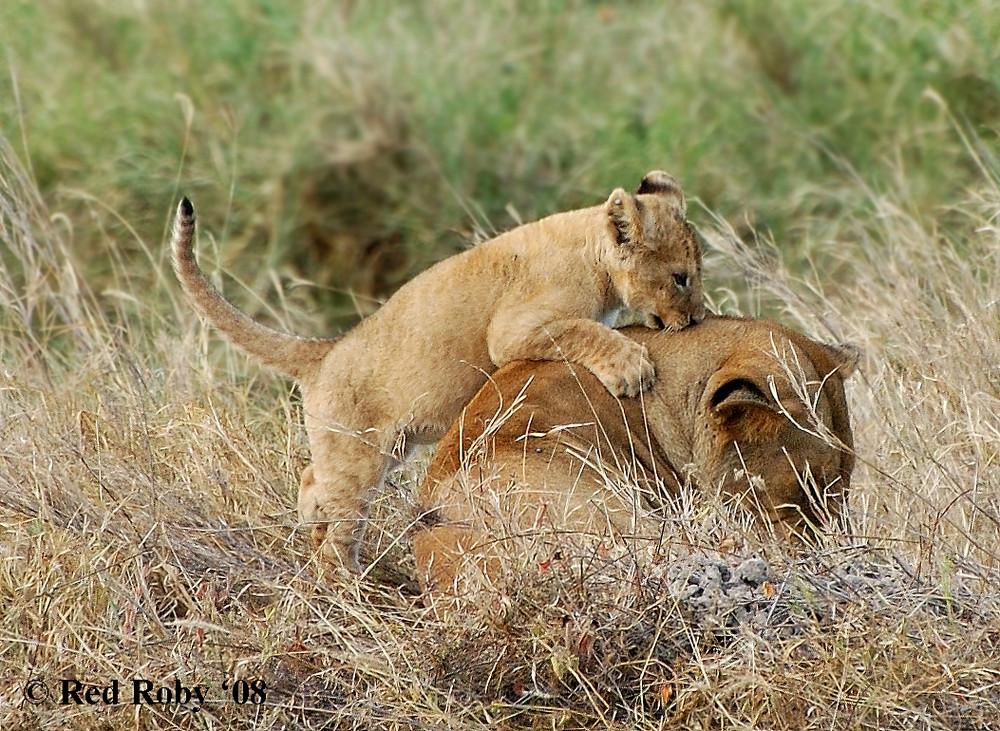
pixel 335 493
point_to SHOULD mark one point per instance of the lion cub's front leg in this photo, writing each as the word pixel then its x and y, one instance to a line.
pixel 621 364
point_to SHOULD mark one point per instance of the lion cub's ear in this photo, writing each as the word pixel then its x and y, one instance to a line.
pixel 658 182
pixel 624 218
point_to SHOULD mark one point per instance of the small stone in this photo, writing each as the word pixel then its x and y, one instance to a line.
pixel 753 571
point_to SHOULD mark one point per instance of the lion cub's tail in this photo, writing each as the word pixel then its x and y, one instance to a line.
pixel 289 354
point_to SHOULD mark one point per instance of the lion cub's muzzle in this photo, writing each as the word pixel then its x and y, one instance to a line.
pixel 675 319
pixel 653 322
pixel 684 306
pixel 673 324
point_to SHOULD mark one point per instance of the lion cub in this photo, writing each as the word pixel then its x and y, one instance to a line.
pixel 537 292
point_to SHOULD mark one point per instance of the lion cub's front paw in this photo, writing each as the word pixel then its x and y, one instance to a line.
pixel 627 371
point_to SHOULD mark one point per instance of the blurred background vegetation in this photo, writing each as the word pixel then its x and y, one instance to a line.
pixel 351 144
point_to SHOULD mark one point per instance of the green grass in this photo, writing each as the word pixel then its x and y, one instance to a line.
pixel 355 143
pixel 845 160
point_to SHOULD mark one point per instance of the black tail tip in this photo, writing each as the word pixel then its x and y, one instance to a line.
pixel 185 208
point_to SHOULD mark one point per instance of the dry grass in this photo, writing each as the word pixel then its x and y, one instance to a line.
pixel 148 529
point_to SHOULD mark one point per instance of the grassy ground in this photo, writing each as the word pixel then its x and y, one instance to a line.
pixel 844 159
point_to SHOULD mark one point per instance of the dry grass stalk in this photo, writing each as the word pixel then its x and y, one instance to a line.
pixel 148 532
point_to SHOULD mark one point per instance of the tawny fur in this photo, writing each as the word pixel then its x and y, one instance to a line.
pixel 538 292
pixel 540 445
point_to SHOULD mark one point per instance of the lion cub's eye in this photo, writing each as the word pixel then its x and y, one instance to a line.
pixel 681 280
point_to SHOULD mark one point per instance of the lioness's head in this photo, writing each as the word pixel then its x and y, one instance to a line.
pixel 776 429
pixel 656 260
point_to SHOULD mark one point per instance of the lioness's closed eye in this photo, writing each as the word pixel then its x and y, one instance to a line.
pixel 537 292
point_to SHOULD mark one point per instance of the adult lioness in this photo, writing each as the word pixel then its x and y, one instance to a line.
pixel 536 292
pixel 744 404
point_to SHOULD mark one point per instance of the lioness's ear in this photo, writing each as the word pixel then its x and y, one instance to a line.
pixel 623 218
pixel 658 182
pixel 742 410
pixel 845 356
